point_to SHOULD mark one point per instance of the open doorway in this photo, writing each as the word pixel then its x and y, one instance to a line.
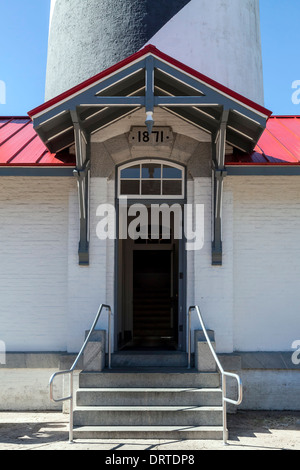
pixel 150 293
pixel 150 276
pixel 155 299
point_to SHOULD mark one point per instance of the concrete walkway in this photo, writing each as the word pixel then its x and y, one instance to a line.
pixel 247 431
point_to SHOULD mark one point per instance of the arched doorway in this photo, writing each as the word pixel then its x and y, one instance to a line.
pixel 150 281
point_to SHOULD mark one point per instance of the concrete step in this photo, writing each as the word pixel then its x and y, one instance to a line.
pixel 149 359
pixel 149 432
pixel 145 403
pixel 148 415
pixel 151 378
pixel 148 397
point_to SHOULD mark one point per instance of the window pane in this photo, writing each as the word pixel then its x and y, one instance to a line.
pixel 171 172
pixel 130 187
pixel 131 172
pixel 151 188
pixel 172 188
pixel 151 170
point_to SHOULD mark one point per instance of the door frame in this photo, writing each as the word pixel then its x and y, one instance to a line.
pixel 182 282
pixel 182 253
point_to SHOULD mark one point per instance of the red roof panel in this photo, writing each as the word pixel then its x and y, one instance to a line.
pixel 20 145
pixel 272 146
pixel 12 126
pixel 287 138
pixel 31 153
pixel 279 144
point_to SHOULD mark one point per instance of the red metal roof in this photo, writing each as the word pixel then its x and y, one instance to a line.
pixel 278 145
pixel 21 146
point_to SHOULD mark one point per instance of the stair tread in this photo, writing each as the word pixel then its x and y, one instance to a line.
pixel 148 428
pixel 150 389
pixel 149 377
pixel 149 408
pixel 148 370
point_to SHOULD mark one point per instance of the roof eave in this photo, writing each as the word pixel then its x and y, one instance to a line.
pixel 149 49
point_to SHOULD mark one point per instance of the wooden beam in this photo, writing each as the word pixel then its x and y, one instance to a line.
pixel 219 143
pixel 82 148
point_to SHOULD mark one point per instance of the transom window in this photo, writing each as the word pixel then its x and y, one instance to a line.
pixel 151 179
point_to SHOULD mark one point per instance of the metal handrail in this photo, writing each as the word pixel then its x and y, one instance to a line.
pixel 223 373
pixel 71 370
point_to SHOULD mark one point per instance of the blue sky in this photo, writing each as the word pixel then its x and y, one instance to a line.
pixel 23 53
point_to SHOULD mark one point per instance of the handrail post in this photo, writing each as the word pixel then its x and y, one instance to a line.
pixel 71 409
pixel 189 338
pixel 224 387
pixel 109 338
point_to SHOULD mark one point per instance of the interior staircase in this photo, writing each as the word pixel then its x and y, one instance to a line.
pixel 137 399
pixel 152 312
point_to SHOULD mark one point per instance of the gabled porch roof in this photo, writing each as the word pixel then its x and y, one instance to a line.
pixel 149 79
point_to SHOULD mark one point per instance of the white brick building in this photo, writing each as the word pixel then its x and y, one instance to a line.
pixel 218 155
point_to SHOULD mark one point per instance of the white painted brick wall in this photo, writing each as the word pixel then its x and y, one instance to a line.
pixel 33 263
pixel 252 301
pixel 213 284
pixel 86 284
pixel 48 301
pixel 266 262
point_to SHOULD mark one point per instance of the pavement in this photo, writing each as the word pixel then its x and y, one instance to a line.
pixel 248 430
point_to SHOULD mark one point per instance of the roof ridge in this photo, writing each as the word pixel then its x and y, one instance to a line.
pixel 15 117
pixel 7 122
pixel 285 116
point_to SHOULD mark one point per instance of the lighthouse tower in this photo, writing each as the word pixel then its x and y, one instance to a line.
pixel 219 38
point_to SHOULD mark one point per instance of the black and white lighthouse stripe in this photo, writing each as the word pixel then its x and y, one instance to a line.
pixel 220 38
pixel 158 13
pixel 87 36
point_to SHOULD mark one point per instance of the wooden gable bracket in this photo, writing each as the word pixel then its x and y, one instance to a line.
pixel 218 155
pixel 82 174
